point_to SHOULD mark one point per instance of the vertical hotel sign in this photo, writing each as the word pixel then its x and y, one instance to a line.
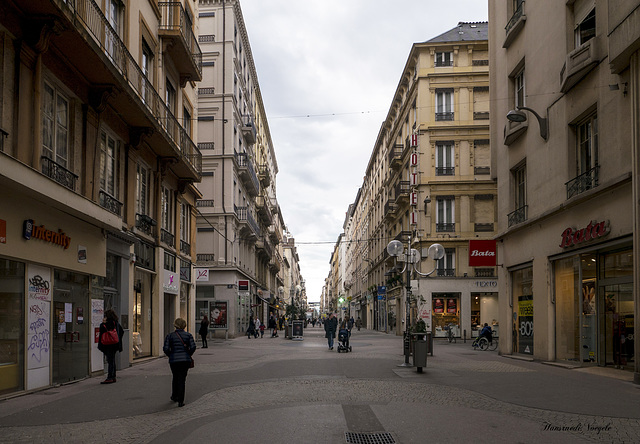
pixel 414 180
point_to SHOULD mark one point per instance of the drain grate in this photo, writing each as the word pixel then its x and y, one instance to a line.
pixel 369 438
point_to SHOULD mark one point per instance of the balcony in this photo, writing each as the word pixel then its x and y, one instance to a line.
pixel 402 191
pixel 185 248
pixel 248 226
pixel 445 227
pixel 446 272
pixel 445 171
pixel 273 234
pixel 395 156
pixel 176 28
pixel 518 216
pixel 515 25
pixel 94 50
pixel 585 181
pixel 275 263
pixel 446 116
pixel 390 209
pixel 58 173
pixel 264 210
pixel 263 248
pixel 264 175
pixel 167 238
pixel 110 203
pixel 248 129
pixel 145 224
pixel 579 63
pixel 248 174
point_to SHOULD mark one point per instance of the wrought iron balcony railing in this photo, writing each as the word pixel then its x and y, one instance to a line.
pixel 175 19
pixel 515 17
pixel 185 247
pixel 583 182
pixel 446 272
pixel 110 203
pixel 445 171
pixel 145 224
pixel 440 117
pixel 58 173
pixel 445 227
pixel 168 238
pixel 517 216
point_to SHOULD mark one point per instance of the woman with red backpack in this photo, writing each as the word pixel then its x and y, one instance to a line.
pixel 110 342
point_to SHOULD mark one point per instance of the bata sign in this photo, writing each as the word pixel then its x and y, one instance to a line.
pixel 482 253
pixel 594 230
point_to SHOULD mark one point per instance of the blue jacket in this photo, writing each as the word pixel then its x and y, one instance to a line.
pixel 175 350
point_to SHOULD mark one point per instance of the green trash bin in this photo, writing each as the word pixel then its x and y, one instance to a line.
pixel 420 348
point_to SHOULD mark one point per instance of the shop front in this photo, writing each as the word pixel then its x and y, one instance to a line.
pixel 446 314
pixel 594 305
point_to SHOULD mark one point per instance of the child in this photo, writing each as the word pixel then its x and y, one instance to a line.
pixel 261 331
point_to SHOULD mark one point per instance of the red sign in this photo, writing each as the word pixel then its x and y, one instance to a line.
pixel 438 305
pixel 243 285
pixel 594 230
pixel 482 253
pixel 414 140
pixel 3 231
pixel 452 306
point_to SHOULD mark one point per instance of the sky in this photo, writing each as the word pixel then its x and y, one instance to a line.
pixel 328 70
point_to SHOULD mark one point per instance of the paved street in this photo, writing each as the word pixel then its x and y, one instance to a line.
pixel 281 391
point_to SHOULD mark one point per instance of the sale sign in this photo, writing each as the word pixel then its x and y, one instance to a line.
pixel 482 253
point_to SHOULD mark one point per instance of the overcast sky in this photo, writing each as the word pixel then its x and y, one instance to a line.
pixel 327 71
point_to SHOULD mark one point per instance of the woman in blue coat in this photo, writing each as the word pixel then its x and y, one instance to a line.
pixel 179 346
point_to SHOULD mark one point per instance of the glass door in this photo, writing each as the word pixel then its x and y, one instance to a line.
pixel 618 325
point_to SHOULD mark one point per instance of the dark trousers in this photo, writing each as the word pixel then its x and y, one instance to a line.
pixel 111 363
pixel 204 339
pixel 179 370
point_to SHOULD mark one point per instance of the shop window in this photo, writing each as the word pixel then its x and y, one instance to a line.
pixel 12 314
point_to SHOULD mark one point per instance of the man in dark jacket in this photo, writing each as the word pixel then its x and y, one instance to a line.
pixel 330 327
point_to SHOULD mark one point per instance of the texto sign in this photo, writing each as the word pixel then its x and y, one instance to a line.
pixel 482 253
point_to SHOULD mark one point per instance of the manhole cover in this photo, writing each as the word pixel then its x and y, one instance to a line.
pixel 369 438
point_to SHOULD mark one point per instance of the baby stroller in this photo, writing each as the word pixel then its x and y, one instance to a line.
pixel 343 340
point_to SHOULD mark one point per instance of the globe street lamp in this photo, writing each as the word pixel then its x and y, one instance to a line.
pixel 412 256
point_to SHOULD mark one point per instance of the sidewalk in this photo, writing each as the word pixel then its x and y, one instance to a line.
pixel 297 391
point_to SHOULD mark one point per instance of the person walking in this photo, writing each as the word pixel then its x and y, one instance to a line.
pixel 110 342
pixel 252 328
pixel 272 324
pixel 261 331
pixel 330 327
pixel 179 346
pixel 204 331
pixel 358 323
pixel 256 330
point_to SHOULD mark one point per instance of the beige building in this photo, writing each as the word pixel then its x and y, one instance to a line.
pixel 240 225
pixel 567 167
pixel 97 167
pixel 428 181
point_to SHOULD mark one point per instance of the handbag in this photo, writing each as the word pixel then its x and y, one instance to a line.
pixel 110 337
pixel 192 363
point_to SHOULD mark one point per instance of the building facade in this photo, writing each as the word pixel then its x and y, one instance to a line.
pixel 98 166
pixel 240 225
pixel 563 133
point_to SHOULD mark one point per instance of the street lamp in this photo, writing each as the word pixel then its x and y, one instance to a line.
pixel 412 256
pixel 517 115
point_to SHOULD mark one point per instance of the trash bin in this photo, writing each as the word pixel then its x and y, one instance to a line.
pixel 420 346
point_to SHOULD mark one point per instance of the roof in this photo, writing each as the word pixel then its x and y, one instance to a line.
pixel 472 31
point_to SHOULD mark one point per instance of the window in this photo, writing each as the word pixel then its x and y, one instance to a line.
pixel 167 210
pixel 519 175
pixel 186 120
pixel 147 71
pixel 109 152
pixel 55 126
pixel 447 265
pixel 444 59
pixel 445 214
pixel 444 104
pixel 170 97
pixel 519 92
pixel 114 12
pixel 587 145
pixel 444 159
pixel 142 190
pixel 585 21
pixel 185 222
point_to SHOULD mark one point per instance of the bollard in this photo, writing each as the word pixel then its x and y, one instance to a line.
pixel 465 336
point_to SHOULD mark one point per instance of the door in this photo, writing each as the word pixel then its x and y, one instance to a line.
pixel 618 325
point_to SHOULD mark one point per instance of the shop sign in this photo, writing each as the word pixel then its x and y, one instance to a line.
pixel 243 285
pixel 3 231
pixel 170 284
pixel 202 275
pixel 482 253
pixel 595 230
pixel 30 230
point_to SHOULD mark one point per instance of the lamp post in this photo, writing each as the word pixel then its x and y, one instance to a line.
pixel 411 256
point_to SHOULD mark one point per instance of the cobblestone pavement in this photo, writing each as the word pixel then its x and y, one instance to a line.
pixel 297 391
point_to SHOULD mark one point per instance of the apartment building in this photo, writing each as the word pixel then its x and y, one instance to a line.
pixel 240 225
pixel 565 154
pixel 98 167
pixel 429 181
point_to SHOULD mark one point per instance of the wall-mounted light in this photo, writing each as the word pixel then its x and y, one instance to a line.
pixel 517 115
